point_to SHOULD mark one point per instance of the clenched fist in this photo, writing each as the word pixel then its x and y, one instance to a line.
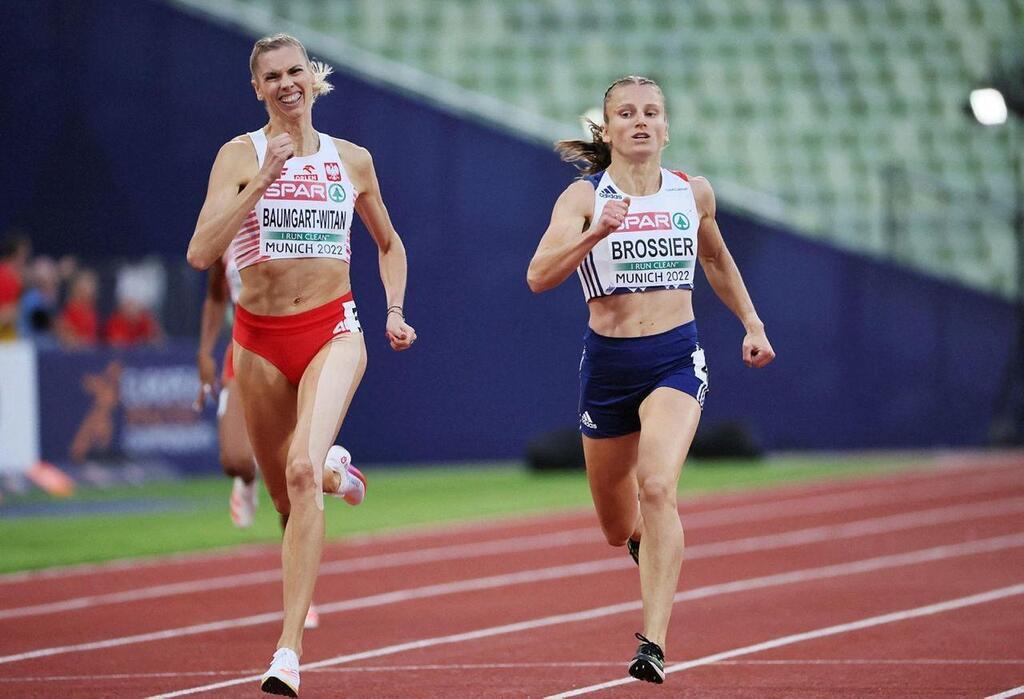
pixel 612 216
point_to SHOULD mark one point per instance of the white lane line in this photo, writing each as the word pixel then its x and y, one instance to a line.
pixel 449 667
pixel 710 518
pixel 356 565
pixel 869 622
pixel 796 576
pixel 1016 691
pixel 883 483
pixel 849 500
pixel 723 548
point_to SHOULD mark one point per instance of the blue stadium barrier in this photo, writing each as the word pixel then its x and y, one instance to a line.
pixel 136 98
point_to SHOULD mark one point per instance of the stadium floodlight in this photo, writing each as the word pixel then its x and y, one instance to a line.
pixel 988 106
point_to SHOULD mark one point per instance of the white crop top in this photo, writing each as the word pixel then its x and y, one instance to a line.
pixel 306 212
pixel 654 248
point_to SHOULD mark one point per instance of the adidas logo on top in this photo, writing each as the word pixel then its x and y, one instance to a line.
pixel 586 421
pixel 609 193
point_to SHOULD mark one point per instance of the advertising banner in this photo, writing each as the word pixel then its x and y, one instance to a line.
pixel 19 411
pixel 129 408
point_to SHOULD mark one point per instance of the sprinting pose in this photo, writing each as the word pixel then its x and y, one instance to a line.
pixel 284 196
pixel 633 230
pixel 236 458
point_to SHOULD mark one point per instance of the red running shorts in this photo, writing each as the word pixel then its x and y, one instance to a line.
pixel 291 342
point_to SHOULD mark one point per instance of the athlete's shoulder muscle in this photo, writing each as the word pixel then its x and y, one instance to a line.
pixel 236 161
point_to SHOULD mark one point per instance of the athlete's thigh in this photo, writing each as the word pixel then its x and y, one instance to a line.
pixel 325 393
pixel 611 473
pixel 231 432
pixel 668 422
pixel 269 403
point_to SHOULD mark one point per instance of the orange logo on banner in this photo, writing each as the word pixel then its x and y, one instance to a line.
pixel 97 428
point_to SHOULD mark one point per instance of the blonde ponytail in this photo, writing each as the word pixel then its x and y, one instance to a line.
pixel 321 71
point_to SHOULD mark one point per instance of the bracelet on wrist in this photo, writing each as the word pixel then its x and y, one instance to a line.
pixel 396 309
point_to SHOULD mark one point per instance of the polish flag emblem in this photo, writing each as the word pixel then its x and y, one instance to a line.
pixel 333 172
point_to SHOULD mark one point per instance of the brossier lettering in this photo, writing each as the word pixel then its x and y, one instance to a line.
pixel 297 191
pixel 651 247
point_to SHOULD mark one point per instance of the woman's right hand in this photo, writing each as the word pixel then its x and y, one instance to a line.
pixel 612 216
pixel 279 149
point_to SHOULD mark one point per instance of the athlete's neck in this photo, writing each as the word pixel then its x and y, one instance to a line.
pixel 304 136
pixel 637 179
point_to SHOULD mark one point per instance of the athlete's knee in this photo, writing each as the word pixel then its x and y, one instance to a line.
pixel 656 491
pixel 616 536
pixel 237 463
pixel 616 528
pixel 300 476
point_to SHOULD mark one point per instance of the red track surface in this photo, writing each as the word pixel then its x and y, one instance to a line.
pixel 760 567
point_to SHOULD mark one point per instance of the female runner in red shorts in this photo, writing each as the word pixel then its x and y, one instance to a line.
pixel 285 195
pixel 236 458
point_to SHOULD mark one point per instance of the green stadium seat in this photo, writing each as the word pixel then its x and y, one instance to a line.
pixel 808 101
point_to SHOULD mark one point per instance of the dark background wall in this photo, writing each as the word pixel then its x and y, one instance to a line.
pixel 121 106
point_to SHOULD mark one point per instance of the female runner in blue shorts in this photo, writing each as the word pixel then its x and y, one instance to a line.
pixel 283 196
pixel 633 230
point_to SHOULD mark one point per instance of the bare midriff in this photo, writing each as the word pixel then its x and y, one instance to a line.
pixel 286 287
pixel 640 314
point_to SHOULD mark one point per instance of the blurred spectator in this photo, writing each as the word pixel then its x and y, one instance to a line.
pixel 40 303
pixel 132 324
pixel 14 253
pixel 140 288
pixel 78 323
pixel 67 267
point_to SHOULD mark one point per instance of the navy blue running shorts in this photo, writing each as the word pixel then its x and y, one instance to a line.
pixel 617 373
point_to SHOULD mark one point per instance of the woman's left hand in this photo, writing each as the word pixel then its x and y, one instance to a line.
pixel 757 351
pixel 400 334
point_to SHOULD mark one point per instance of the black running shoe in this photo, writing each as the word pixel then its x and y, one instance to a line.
pixel 649 662
pixel 633 546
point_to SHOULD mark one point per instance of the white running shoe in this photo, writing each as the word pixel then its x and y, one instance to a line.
pixel 244 501
pixel 353 483
pixel 283 676
pixel 312 618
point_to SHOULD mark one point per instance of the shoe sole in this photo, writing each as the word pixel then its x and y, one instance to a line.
pixel 643 669
pixel 273 685
pixel 362 479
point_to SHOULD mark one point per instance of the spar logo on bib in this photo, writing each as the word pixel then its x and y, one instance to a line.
pixel 292 190
pixel 647 221
pixel 680 221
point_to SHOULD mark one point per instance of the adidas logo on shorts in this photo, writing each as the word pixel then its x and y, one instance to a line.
pixel 586 421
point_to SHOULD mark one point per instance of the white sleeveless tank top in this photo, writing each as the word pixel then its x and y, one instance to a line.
pixel 654 248
pixel 306 212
